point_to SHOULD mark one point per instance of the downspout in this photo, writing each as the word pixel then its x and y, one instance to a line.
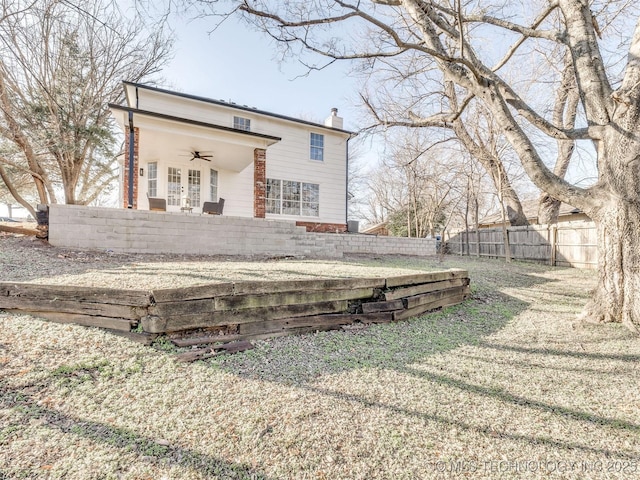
pixel 132 138
pixel 346 196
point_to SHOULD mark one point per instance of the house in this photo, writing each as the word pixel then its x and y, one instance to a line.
pixel 186 150
pixel 567 213
pixel 381 229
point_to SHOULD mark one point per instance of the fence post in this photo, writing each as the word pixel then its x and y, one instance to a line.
pixel 554 243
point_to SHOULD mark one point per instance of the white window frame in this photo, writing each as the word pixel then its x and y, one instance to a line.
pixel 316 147
pixel 213 184
pixel 194 188
pixel 152 179
pixel 273 202
pixel 242 123
pixel 293 198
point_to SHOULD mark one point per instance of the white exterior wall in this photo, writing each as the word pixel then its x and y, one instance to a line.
pixel 237 191
pixel 288 159
pixel 200 111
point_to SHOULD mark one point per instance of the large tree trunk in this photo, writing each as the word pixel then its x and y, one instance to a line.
pixel 616 211
pixel 617 296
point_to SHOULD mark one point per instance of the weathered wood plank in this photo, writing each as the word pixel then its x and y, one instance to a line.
pixel 263 336
pixel 121 324
pixel 426 298
pixel 185 307
pixel 114 296
pixel 372 307
pixel 238 302
pixel 204 340
pixel 425 288
pixel 174 323
pixel 259 287
pixel 406 280
pixel 315 321
pixel 419 310
pixel 289 323
pixel 68 306
pixel 192 293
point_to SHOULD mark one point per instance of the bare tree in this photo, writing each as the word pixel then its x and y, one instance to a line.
pixel 564 114
pixel 447 40
pixel 416 184
pixel 61 63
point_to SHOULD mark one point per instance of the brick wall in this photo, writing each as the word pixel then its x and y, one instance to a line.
pixel 125 190
pixel 259 182
pixel 141 231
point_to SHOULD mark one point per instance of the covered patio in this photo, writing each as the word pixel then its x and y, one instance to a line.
pixel 187 162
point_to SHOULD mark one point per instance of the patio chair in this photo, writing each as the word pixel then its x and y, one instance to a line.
pixel 157 204
pixel 213 208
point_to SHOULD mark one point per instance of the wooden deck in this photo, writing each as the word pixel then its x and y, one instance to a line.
pixel 240 310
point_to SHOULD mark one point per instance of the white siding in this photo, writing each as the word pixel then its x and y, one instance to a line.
pixel 237 191
pixel 288 159
pixel 195 110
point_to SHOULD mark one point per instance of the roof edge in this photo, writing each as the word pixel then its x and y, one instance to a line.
pixel 236 106
pixel 188 121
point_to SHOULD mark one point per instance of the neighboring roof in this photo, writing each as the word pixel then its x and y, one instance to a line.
pixel 530 209
pixel 192 122
pixel 375 229
pixel 235 106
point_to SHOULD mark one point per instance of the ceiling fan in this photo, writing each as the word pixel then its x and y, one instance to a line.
pixel 196 154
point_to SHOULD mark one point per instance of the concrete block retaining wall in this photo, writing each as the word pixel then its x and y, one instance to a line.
pixel 140 231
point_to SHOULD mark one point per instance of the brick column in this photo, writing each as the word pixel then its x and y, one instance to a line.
pixel 125 185
pixel 259 182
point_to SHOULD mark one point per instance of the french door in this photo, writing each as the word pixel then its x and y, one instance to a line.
pixel 184 186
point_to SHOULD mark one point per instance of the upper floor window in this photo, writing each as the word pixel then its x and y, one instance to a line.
pixel 317 147
pixel 152 179
pixel 242 123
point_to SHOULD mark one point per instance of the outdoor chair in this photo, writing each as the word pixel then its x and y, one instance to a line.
pixel 157 204
pixel 213 208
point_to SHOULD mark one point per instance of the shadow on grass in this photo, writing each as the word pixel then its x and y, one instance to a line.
pixel 563 353
pixel 301 359
pixel 128 441
pixel 488 430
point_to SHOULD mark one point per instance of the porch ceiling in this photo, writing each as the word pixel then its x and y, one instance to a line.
pixel 172 140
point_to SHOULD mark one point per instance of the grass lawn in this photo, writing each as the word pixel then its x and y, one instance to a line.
pixel 506 385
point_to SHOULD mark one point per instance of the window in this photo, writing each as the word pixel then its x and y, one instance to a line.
pixel 286 197
pixel 194 188
pixel 290 198
pixel 174 186
pixel 152 179
pixel 310 200
pixel 317 147
pixel 274 196
pixel 242 123
pixel 213 185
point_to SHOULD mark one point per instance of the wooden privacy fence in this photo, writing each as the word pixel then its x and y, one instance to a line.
pixel 571 244
pixel 241 310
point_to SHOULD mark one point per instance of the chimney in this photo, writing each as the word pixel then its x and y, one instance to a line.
pixel 334 121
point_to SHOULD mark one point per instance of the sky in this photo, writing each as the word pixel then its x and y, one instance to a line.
pixel 239 64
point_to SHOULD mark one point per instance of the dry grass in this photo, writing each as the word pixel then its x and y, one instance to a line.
pixel 503 386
